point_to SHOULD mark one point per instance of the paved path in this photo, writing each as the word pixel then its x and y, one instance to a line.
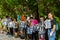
pixel 8 37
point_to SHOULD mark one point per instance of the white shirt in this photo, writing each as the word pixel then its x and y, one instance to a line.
pixel 11 24
pixel 47 23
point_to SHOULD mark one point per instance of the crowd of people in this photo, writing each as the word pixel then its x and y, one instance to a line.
pixel 30 28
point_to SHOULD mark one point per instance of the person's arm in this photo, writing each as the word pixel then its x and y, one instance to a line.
pixel 54 27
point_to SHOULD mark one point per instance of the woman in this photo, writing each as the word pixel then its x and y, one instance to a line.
pixel 52 30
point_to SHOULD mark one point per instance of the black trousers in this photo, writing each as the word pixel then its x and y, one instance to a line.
pixel 35 35
pixel 46 34
pixel 11 31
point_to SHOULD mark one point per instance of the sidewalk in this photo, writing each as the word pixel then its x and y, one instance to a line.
pixel 7 37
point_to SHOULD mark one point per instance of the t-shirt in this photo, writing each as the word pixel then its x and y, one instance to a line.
pixel 53 22
pixel 41 28
pixel 15 24
pixel 34 22
pixel 4 22
pixel 11 24
pixel 47 23
pixel 22 18
pixel 22 24
pixel 29 30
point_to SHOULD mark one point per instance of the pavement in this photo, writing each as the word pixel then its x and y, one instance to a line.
pixel 8 37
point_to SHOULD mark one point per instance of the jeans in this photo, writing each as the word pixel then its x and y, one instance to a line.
pixel 53 35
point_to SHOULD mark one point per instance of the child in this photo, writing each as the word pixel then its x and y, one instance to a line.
pixel 10 26
pixel 15 28
pixel 21 28
pixel 28 31
pixel 4 24
pixel 41 29
pixel 33 23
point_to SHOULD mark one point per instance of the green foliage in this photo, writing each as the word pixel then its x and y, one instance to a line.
pixel 11 7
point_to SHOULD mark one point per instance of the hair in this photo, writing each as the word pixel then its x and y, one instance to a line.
pixel 52 13
pixel 42 17
pixel 6 16
pixel 15 19
pixel 11 19
pixel 28 24
pixel 31 17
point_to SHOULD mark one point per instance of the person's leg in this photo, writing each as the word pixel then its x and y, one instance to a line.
pixel 7 30
pixel 53 35
pixel 26 34
pixel 39 37
pixel 16 32
pixel 32 36
pixel 46 35
pixel 11 31
pixel 51 38
pixel 36 35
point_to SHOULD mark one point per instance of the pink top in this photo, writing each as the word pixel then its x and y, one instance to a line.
pixel 34 22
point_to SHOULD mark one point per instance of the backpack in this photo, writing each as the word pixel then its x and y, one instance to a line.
pixel 56 26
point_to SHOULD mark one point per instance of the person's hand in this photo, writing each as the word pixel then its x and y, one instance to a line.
pixel 51 33
pixel 46 28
